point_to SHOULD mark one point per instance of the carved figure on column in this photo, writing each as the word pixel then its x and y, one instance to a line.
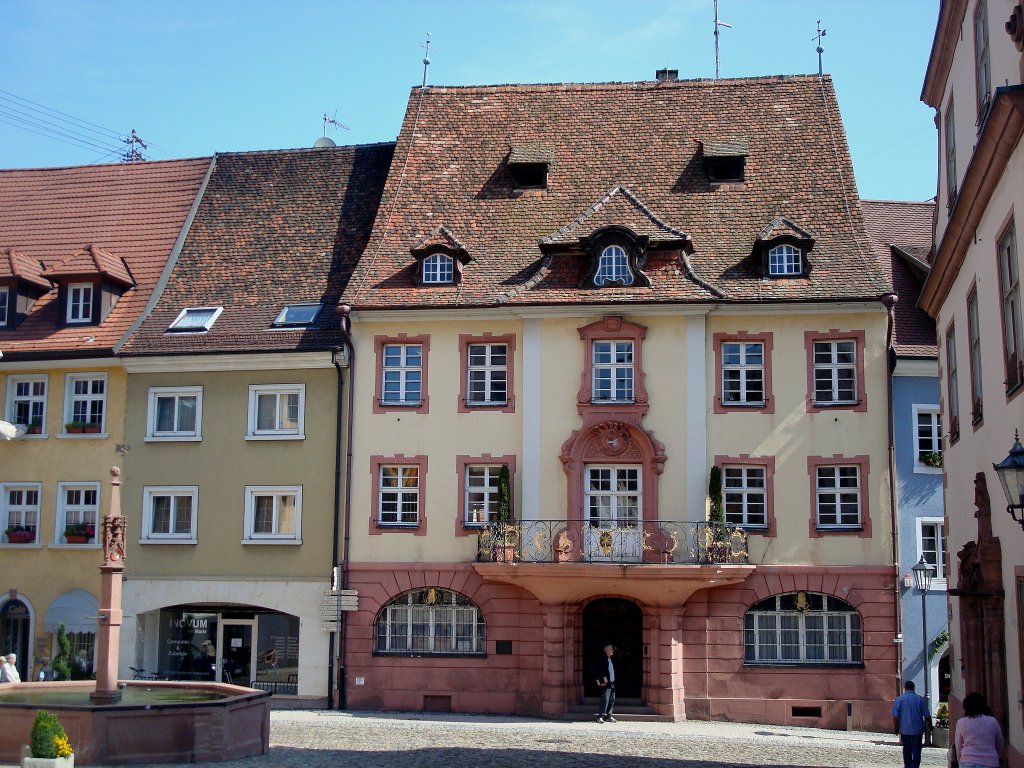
pixel 114 525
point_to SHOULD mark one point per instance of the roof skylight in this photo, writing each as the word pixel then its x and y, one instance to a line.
pixel 195 320
pixel 298 315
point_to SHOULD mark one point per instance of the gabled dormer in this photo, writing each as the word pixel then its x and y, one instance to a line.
pixel 89 285
pixel 725 161
pixel 440 258
pixel 781 249
pixel 529 164
pixel 21 283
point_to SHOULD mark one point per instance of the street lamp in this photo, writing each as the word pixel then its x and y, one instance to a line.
pixel 924 572
pixel 1011 475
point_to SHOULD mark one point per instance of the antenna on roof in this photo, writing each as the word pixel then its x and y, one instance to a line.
pixel 821 34
pixel 717 25
pixel 331 121
pixel 426 58
pixel 133 155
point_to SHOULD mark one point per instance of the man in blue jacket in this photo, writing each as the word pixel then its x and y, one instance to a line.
pixel 910 716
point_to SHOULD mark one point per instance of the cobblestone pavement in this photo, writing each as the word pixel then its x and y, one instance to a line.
pixel 323 739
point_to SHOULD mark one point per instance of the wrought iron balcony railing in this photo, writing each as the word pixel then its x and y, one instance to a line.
pixel 656 543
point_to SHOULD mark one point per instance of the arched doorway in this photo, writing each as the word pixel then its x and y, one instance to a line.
pixel 945 678
pixel 620 623
pixel 15 631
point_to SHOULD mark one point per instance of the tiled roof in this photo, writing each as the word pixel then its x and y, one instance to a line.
pixel 726 148
pixel 90 261
pixel 18 266
pixel 531 153
pixel 273 228
pixel 451 169
pixel 439 238
pixel 900 230
pixel 781 227
pixel 133 210
pixel 620 207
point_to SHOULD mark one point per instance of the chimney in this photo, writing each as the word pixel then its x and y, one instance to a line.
pixel 663 75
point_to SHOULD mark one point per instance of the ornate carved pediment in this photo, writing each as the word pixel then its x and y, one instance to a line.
pixel 980 566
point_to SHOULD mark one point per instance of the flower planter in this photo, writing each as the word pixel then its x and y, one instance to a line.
pixel 27 761
pixel 91 429
pixel 77 538
pixel 74 430
pixel 34 429
pixel 940 737
pixel 21 537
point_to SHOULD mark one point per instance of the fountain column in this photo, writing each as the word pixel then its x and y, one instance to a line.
pixel 108 623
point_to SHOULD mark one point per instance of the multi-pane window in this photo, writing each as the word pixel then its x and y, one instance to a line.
pixel 20 505
pixel 927 437
pixel 80 303
pixel 5 297
pixel 744 496
pixel 175 413
pixel 276 411
pixel 974 344
pixel 802 628
pixel 78 512
pixel 784 260
pixel 438 268
pixel 481 490
pixel 837 490
pixel 26 401
pixel 273 513
pixel 1009 287
pixel 835 372
pixel 431 621
pixel 952 385
pixel 169 514
pixel 399 495
pixel 402 374
pixel 487 374
pixel 613 496
pixel 742 373
pixel 613 267
pixel 982 70
pixel 932 538
pixel 613 371
pixel 86 398
pixel 949 134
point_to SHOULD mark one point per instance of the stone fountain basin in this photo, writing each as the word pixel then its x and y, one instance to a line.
pixel 232 726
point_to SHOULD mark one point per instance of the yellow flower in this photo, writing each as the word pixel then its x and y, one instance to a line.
pixel 63 746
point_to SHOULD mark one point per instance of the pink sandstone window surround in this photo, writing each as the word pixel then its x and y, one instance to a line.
pixel 767 464
pixel 613 329
pixel 839 463
pixel 403 370
pixel 486 368
pixel 743 372
pixel 833 364
pixel 463 527
pixel 385 480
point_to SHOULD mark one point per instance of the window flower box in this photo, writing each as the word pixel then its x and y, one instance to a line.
pixel 79 533
pixel 931 459
pixel 35 428
pixel 19 535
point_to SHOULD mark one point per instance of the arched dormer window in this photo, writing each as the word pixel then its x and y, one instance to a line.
pixel 785 260
pixel 613 267
pixel 782 248
pixel 431 622
pixel 802 629
pixel 438 268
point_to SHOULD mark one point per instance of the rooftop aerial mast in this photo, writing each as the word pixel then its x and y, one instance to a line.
pixel 717 25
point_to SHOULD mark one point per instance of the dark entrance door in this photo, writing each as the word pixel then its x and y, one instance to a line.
pixel 620 623
pixel 14 621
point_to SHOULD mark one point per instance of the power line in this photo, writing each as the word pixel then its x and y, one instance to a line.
pixel 50 134
pixel 37 126
pixel 113 133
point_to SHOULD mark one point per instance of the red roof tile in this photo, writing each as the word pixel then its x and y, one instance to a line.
pixel 18 266
pixel 91 260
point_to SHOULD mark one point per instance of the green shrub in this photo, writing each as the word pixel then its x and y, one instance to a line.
pixel 45 731
pixel 63 663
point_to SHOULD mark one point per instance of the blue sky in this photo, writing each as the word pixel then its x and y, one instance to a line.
pixel 193 78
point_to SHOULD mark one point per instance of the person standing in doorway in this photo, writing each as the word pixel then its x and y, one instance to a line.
pixel 605 674
pixel 910 715
pixel 9 670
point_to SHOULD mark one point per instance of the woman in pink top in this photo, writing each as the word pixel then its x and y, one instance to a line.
pixel 979 742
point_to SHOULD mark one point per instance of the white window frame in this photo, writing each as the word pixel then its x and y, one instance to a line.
pixel 25 510
pixel 158 393
pixel 491 371
pixel 84 510
pixel 439 622
pixel 618 391
pixel 70 398
pixel 80 302
pixel 5 303
pixel 487 493
pixel 745 369
pixel 613 266
pixel 767 630
pixel 837 492
pixel 617 498
pixel 785 260
pixel 31 399
pixel 939 581
pixel 933 412
pixel 276 491
pixel 402 493
pixel 149 536
pixel 175 326
pixel 833 368
pixel 404 373
pixel 438 269
pixel 278 391
pixel 742 490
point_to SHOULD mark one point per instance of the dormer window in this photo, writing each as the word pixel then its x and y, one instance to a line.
pixel 5 299
pixel 438 268
pixel 725 160
pixel 195 320
pixel 297 315
pixel 785 260
pixel 529 165
pixel 89 284
pixel 79 305
pixel 613 267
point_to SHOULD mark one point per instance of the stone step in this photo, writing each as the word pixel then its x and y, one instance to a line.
pixel 625 711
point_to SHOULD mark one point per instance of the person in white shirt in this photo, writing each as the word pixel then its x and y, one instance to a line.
pixel 9 672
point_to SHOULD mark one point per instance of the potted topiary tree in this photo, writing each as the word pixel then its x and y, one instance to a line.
pixel 63 662
pixel 50 747
pixel 718 537
pixel 506 537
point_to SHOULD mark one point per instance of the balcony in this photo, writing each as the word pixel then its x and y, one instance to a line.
pixel 650 543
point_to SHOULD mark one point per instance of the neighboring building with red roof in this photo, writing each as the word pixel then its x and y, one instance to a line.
pixel 583 311
pixel 81 252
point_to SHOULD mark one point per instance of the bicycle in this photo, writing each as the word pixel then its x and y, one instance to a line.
pixel 137 673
